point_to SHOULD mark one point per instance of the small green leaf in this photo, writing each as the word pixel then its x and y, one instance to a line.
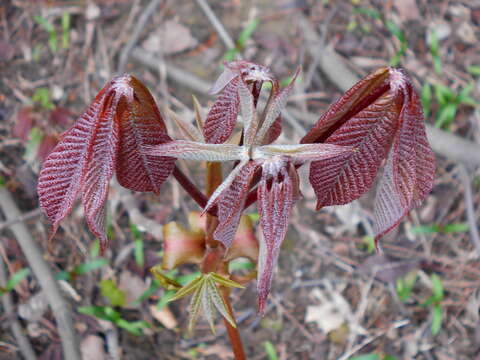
pixel 194 308
pixel 425 229
pixel 16 278
pixel 474 70
pixel 426 99
pixel 164 280
pixel 225 282
pixel 446 115
pixel 240 264
pixel 139 253
pixel 247 33
pixel 188 289
pixel 369 242
pixel 270 350
pixel 437 315
pixel 66 30
pixel 50 29
pixel 109 289
pixel 217 300
pixel 455 228
pixel 42 97
pixel 437 288
pixel 366 357
pixel 133 327
pixel 90 266
pixel 101 312
pixel 165 299
pixel 368 11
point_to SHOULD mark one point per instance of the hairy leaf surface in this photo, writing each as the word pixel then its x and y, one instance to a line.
pixel 380 118
pixel 62 174
pixel 231 202
pixel 140 124
pixel 409 173
pixel 108 137
pixel 277 192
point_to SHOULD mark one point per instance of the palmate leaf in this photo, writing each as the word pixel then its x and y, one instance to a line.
pixel 108 137
pixel 207 299
pixel 380 117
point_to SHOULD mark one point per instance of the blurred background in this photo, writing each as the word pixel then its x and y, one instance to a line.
pixel 333 296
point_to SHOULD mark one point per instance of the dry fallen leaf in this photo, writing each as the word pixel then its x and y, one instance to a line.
pixel 92 348
pixel 132 286
pixel 164 316
pixel 407 9
pixel 171 38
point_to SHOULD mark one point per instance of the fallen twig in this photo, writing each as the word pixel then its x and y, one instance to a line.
pixel 44 275
pixel 27 216
pixel 219 28
pixel 139 27
pixel 472 223
pixel 22 341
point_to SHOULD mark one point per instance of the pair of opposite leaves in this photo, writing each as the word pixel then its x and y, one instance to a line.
pixel 123 132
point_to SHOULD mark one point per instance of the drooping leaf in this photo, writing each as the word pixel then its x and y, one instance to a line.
pixel 99 169
pixel 380 117
pixel 409 172
pixel 369 132
pixel 140 124
pixel 108 137
pixel 62 174
pixel 277 192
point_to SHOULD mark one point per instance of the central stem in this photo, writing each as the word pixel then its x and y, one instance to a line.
pixel 213 260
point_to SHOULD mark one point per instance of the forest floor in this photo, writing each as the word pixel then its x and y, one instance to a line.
pixel 333 296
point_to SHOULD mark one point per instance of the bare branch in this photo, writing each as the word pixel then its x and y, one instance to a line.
pixel 45 277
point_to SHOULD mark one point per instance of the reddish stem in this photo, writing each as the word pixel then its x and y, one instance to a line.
pixel 192 190
pixel 233 334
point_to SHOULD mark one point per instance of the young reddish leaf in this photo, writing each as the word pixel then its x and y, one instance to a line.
pixel 140 124
pixel 362 94
pixel 62 174
pixel 274 132
pixel 277 192
pixel 409 173
pixel 231 202
pixel 222 116
pixel 107 137
pixel 379 117
pixel 369 130
pixel 273 108
pixel 23 123
pixel 61 116
pixel 99 168
pixel 46 146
